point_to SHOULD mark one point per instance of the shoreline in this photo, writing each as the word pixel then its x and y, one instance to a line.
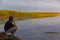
pixel 2 22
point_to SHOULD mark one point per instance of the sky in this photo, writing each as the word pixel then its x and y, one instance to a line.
pixel 31 5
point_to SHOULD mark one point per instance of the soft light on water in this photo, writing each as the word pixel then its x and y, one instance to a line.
pixel 34 29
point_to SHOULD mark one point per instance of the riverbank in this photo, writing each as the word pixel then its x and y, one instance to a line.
pixel 2 21
pixel 2 36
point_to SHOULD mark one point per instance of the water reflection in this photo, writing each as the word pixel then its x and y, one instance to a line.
pixel 52 36
pixel 35 29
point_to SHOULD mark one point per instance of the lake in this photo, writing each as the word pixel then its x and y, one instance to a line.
pixel 35 29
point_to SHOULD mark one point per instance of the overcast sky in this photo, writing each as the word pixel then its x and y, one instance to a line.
pixel 31 5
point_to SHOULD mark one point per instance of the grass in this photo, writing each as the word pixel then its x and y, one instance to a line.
pixel 4 14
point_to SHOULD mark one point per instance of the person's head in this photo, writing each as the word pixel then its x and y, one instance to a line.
pixel 10 18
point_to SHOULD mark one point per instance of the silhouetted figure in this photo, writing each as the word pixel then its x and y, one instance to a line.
pixel 10 27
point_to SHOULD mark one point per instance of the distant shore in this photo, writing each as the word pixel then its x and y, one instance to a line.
pixel 2 21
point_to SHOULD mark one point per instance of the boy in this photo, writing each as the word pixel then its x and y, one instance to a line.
pixel 10 27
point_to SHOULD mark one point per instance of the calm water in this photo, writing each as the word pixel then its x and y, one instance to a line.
pixel 34 29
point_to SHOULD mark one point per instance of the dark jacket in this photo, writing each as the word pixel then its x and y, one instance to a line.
pixel 8 25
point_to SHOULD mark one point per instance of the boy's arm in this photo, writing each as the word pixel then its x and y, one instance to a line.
pixel 15 26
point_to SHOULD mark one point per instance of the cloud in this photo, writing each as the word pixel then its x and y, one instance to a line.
pixel 0 2
pixel 31 5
